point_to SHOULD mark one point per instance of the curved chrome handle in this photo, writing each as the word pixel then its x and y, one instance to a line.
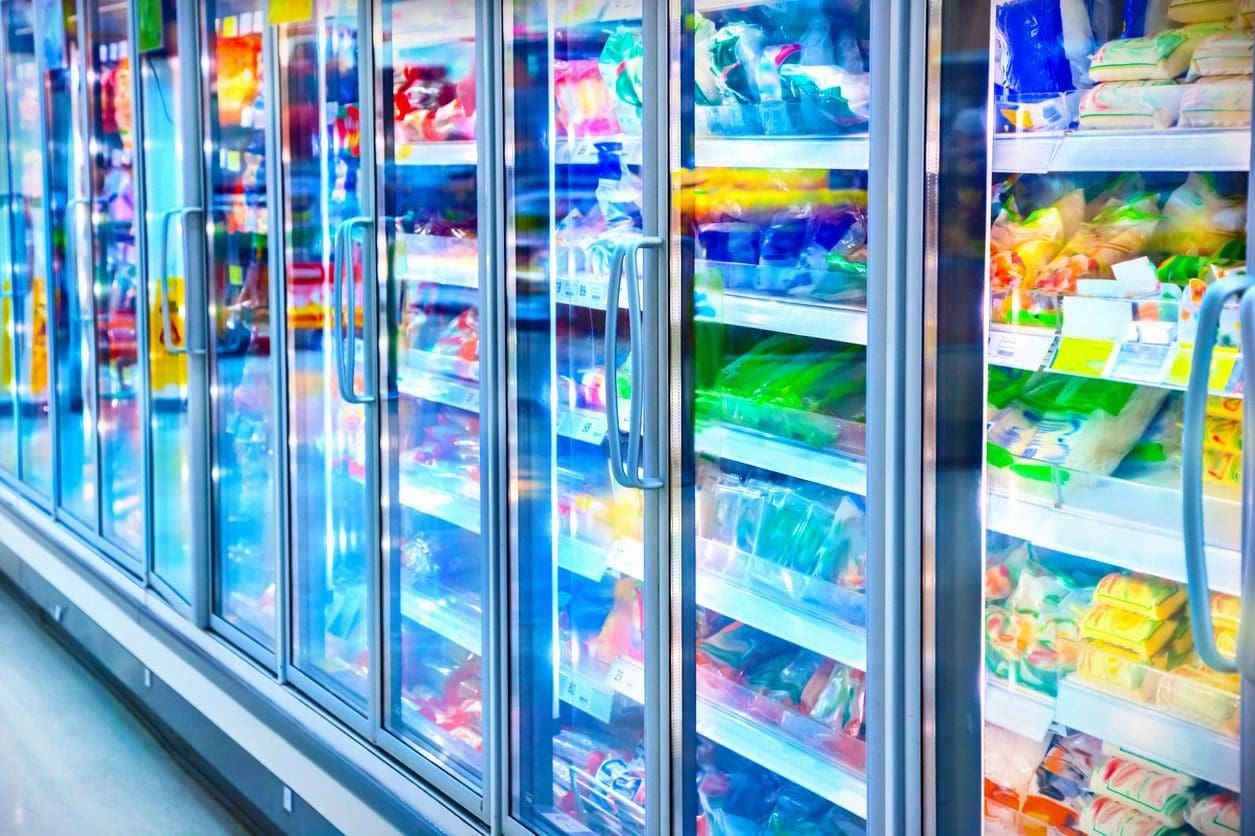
pixel 643 379
pixel 1192 469
pixel 337 311
pixel 617 468
pixel 1246 618
pixel 348 353
pixel 163 277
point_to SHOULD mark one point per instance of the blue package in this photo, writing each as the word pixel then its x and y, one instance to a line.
pixel 1031 34
pixel 1134 19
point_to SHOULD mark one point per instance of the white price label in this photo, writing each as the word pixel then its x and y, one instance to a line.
pixel 1018 350
pixel 565 823
pixel 621 10
pixel 1145 362
pixel 628 678
pixel 627 558
pixel 586 695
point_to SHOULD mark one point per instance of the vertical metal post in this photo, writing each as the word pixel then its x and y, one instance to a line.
pixel 50 342
pixel 87 24
pixel 490 94
pixel 12 216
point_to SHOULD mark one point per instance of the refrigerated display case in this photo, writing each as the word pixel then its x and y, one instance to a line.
pixel 1116 221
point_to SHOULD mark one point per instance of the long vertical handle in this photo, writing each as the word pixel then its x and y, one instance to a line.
pixel 645 378
pixel 617 468
pixel 163 275
pixel 1192 469
pixel 370 323
pixel 337 312
pixel 1246 620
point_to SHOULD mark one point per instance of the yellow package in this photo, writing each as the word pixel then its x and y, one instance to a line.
pixel 1226 610
pixel 1115 668
pixel 1222 434
pixel 1201 695
pixel 1223 468
pixel 1145 595
pixel 1226 642
pixel 1145 637
pixel 1181 643
pixel 1224 407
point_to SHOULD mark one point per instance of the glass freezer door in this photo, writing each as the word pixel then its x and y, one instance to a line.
pixel 115 261
pixel 577 216
pixel 773 208
pixel 434 584
pixel 1117 362
pixel 328 417
pixel 25 298
pixel 242 373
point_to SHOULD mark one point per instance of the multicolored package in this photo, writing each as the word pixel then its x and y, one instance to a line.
pixel 1201 695
pixel 1163 55
pixel 1217 102
pixel 1202 11
pixel 1153 105
pixel 1104 816
pixel 1165 796
pixel 1226 610
pixel 1229 53
pixel 1119 232
pixel 1019 248
pixel 1216 814
pixel 1115 668
pixel 1144 595
pixel 1198 220
pixel 1142 636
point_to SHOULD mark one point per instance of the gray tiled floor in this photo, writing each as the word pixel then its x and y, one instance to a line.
pixel 74 760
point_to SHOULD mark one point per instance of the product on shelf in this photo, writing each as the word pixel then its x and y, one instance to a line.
pixel 429 106
pixel 1215 814
pixel 1201 11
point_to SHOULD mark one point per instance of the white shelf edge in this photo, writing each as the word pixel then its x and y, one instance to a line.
pixel 1109 540
pixel 1161 737
pixel 832 153
pixel 1174 149
pixel 1019 711
pixel 457 627
pixel 455 510
pixel 790 316
pixel 783 457
pixel 432 154
pixel 791 761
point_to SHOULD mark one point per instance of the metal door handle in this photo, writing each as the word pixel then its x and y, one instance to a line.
pixel 346 354
pixel 1192 470
pixel 163 280
pixel 1246 618
pixel 643 373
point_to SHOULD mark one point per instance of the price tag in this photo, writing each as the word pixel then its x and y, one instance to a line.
pixel 565 823
pixel 1224 363
pixel 230 26
pixel 246 116
pixel 584 559
pixel 115 51
pixel 234 161
pixel 627 558
pixel 622 10
pixel 628 678
pixel 1237 378
pixel 1019 350
pixel 597 295
pixel 583 426
pixel 1077 355
pixel 1143 362
pixel 586 695
pixel 235 275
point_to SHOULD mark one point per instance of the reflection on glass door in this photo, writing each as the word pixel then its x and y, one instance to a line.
pixel 26 296
pixel 434 569
pixel 322 176
pixel 241 387
pixel 73 313
pixel 576 202
pixel 1118 234
pixel 775 209
pixel 172 230
pixel 116 279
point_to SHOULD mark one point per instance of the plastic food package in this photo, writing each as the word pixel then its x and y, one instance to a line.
pixel 1203 696
pixel 1131 105
pixel 583 103
pixel 1143 595
pixel 1143 16
pixel 1104 815
pixel 1166 797
pixel 1216 814
pixel 1202 11
pixel 1115 669
pixel 828 98
pixel 1198 220
pixel 1226 610
pixel 1217 102
pixel 1228 53
pixel 1143 636
pixel 1164 55
pixel 1118 233
pixel 1019 248
pixel 1010 759
pixel 1031 37
pixel 621 65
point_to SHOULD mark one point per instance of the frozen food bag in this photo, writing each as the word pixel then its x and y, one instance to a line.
pixel 1202 11
pixel 1144 595
pixel 1216 814
pixel 1226 641
pixel 1010 759
pixel 1198 220
pixel 828 96
pixel 1115 669
pixel 1030 37
pixel 1222 468
pixel 1163 796
pixel 1222 434
pixel 1228 53
pixel 1217 102
pixel 1141 17
pixel 1163 55
pixel 1143 636
pixel 1020 247
pixel 1104 816
pixel 1226 610
pixel 1131 106
pixel 1119 232
pixel 1201 695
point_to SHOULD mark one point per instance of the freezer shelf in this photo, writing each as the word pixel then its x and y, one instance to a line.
pixel 1161 737
pixel 1169 150
pixel 435 502
pixel 1026 713
pixel 783 315
pixel 769 748
pixel 437 153
pixel 461 628
pixel 776 456
pixel 1060 518
pixel 831 153
pixel 1164 365
pixel 796 622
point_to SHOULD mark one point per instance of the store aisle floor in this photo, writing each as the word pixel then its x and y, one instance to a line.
pixel 74 760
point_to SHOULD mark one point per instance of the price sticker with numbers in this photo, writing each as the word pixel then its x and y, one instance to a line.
pixel 628 678
pixel 1143 362
pixel 586 695
pixel 1019 350
pixel 628 558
